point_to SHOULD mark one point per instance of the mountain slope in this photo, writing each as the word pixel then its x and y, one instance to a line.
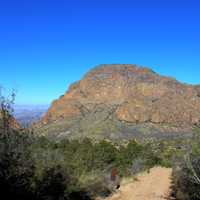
pixel 11 122
pixel 116 97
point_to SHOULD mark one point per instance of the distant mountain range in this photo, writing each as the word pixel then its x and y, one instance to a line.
pixel 123 101
pixel 28 114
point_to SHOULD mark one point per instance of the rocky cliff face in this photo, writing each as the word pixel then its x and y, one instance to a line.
pixel 128 94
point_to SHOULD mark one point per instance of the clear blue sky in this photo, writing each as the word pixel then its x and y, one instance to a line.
pixel 47 44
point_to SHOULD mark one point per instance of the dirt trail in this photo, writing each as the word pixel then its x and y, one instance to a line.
pixel 148 186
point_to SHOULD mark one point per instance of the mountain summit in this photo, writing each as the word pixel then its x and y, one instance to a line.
pixel 123 94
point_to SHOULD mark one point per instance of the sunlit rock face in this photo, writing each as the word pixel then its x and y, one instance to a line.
pixel 123 102
pixel 136 95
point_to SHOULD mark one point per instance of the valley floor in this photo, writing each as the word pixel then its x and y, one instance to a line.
pixel 154 185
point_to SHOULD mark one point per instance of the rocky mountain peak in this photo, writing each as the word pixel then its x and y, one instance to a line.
pixel 128 93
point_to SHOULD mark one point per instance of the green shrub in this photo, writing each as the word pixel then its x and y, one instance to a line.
pixel 186 182
pixel 186 173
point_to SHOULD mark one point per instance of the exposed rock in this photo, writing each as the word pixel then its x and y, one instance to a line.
pixel 130 94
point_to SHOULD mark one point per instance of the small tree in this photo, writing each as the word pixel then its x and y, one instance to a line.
pixel 6 111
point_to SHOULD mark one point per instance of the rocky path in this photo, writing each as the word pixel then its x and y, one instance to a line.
pixel 154 185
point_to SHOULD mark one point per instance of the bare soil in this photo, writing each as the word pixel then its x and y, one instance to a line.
pixel 154 185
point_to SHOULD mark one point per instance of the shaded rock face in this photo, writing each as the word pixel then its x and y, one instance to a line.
pixel 131 94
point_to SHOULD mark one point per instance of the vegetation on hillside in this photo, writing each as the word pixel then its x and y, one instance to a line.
pixel 186 172
pixel 37 168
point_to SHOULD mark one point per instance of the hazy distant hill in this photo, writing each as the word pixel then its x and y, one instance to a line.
pixel 123 101
pixel 27 114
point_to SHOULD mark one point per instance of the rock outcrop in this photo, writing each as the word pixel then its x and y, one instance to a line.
pixel 129 94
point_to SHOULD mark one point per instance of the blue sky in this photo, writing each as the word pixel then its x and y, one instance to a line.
pixel 47 44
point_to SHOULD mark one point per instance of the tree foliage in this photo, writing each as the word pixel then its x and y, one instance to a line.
pixel 35 167
pixel 186 173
